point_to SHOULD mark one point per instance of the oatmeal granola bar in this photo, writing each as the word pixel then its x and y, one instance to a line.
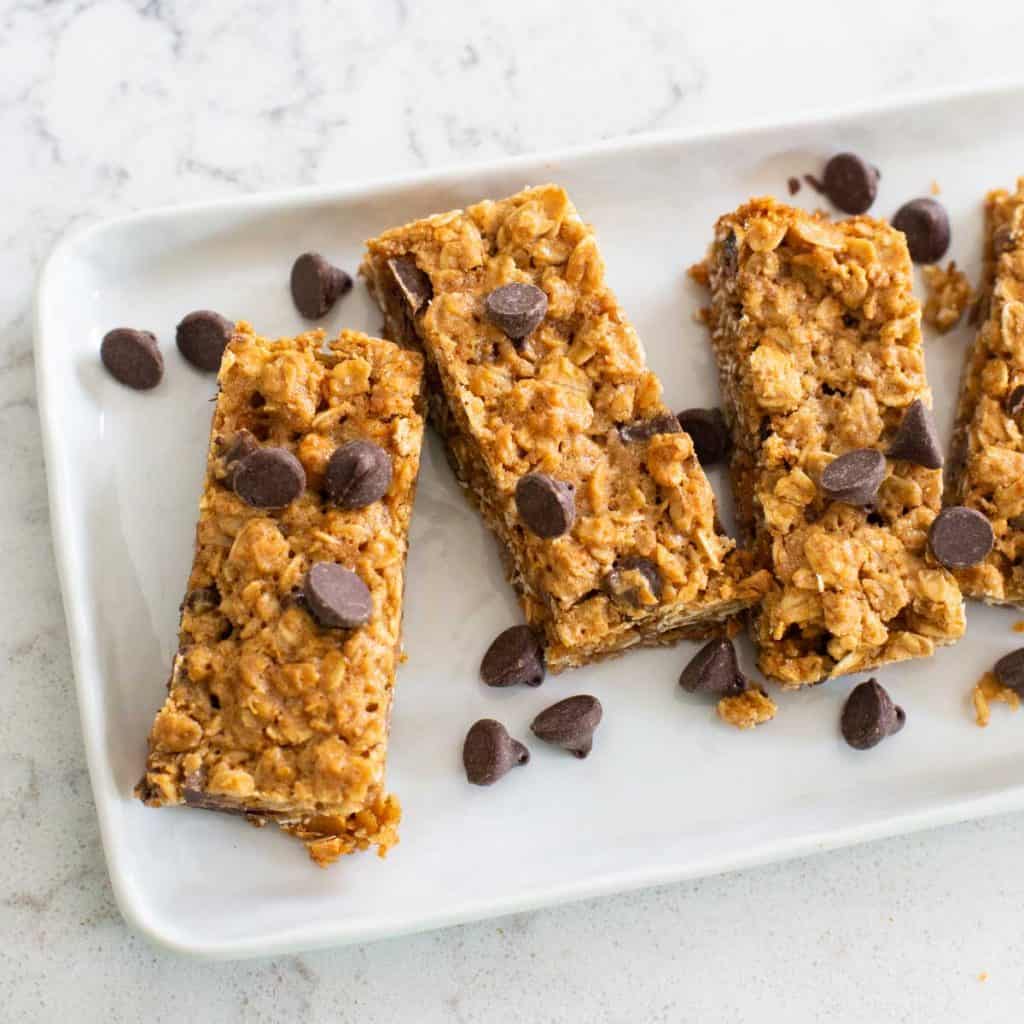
pixel 818 342
pixel 556 427
pixel 280 692
pixel 987 467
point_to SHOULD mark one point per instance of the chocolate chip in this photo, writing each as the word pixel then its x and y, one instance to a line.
pixel 412 282
pixel 203 599
pixel 317 285
pixel 960 537
pixel 1009 670
pixel 269 478
pixel 850 183
pixel 546 506
pixel 708 432
pixel 357 474
pixel 1015 401
pixel 633 581
pixel 490 753
pixel 714 669
pixel 337 597
pixel 793 184
pixel 516 656
pixel 644 430
pixel 132 357
pixel 202 337
pixel 869 715
pixel 925 223
pixel 570 724
pixel 855 477
pixel 916 439
pixel 516 309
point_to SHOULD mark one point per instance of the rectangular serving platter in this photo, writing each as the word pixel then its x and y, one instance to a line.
pixel 669 792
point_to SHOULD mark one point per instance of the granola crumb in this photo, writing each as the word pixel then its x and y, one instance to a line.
pixel 936 188
pixel 748 709
pixel 948 295
pixel 983 976
pixel 987 690
pixel 1018 627
pixel 699 272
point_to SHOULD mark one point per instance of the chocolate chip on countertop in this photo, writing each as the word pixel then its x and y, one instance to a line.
pixel 869 715
pixel 714 669
pixel 516 309
pixel 855 477
pixel 917 440
pixel 644 430
pixel 960 537
pixel 926 224
pixel 1009 670
pixel 337 597
pixel 317 285
pixel 202 337
pixel 546 506
pixel 269 478
pixel 132 357
pixel 708 432
pixel 357 474
pixel 850 183
pixel 490 753
pixel 516 656
pixel 570 724
pixel 633 581
pixel 793 184
pixel 412 282
pixel 1015 401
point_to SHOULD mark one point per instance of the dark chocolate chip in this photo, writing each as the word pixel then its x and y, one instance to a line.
pixel 1015 401
pixel 202 337
pixel 925 223
pixel 203 599
pixel 516 309
pixel 644 430
pixel 133 357
pixel 869 715
pixel 850 183
pixel 317 285
pixel 714 669
pixel 570 724
pixel 855 477
pixel 516 656
pixel 816 183
pixel 708 432
pixel 917 440
pixel 357 474
pixel 337 597
pixel 546 506
pixel 201 800
pixel 960 537
pixel 412 282
pixel 269 478
pixel 633 581
pixel 793 184
pixel 1009 670
pixel 490 753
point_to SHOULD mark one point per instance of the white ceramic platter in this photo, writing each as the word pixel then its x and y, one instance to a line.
pixel 669 791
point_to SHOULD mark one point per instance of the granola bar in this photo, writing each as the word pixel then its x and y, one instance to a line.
pixel 556 427
pixel 817 337
pixel 280 692
pixel 987 467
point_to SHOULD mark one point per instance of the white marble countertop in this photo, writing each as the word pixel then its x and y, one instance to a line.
pixel 108 106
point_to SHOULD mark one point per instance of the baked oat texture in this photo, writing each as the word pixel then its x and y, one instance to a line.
pixel 947 295
pixel 817 335
pixel 554 403
pixel 987 466
pixel 268 714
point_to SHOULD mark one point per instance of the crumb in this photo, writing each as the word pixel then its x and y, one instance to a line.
pixel 699 272
pixel 702 316
pixel 1018 627
pixel 987 690
pixel 948 295
pixel 817 185
pixel 793 185
pixel 750 708
pixel 936 189
pixel 983 976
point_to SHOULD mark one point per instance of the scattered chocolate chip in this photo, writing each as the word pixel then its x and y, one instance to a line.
pixel 644 430
pixel 850 183
pixel 793 184
pixel 203 599
pixel 546 506
pixel 633 581
pixel 1015 401
pixel 357 474
pixel 202 337
pixel 869 715
pixel 570 724
pixel 269 478
pixel 917 440
pixel 816 183
pixel 855 477
pixel 317 285
pixel 132 357
pixel 960 537
pixel 516 656
pixel 516 309
pixel 337 597
pixel 708 432
pixel 412 282
pixel 925 223
pixel 1009 670
pixel 489 752
pixel 714 669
